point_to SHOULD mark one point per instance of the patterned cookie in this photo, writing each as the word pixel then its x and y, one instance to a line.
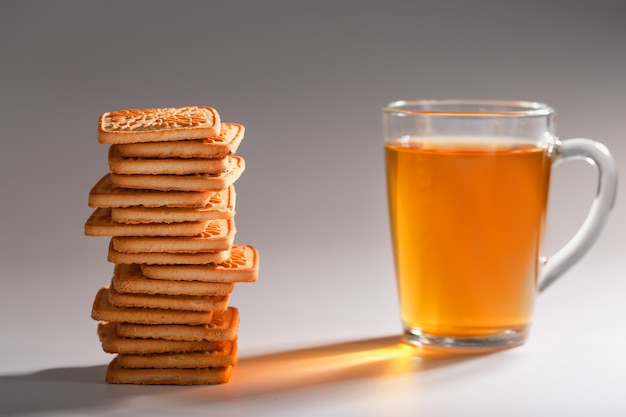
pixel 158 124
pixel 167 258
pixel 221 206
pixel 171 166
pixel 242 266
pixel 128 278
pixel 218 236
pixel 191 182
pixel 223 327
pixel 100 223
pixel 165 302
pixel 191 360
pixel 105 195
pixel 226 143
pixel 102 310
pixel 111 343
pixel 169 376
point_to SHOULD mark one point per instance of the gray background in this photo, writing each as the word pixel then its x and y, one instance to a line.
pixel 308 80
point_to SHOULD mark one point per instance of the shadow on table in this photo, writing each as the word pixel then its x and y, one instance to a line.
pixel 62 389
pixel 378 358
pixel 84 387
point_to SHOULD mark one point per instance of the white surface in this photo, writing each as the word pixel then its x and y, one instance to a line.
pixel 573 364
pixel 307 79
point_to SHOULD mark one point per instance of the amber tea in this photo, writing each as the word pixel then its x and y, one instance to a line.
pixel 467 219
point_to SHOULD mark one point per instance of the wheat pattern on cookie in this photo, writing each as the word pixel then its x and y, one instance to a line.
pixel 237 258
pixel 158 124
pixel 155 119
pixel 242 266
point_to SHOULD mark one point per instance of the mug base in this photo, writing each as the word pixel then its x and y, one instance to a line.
pixel 501 340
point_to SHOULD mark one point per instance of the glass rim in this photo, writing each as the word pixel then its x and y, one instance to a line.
pixel 468 108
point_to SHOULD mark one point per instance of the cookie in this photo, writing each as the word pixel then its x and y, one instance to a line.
pixel 167 258
pixel 223 327
pixel 210 359
pixel 158 124
pixel 218 236
pixel 167 302
pixel 111 343
pixel 242 266
pixel 224 144
pixel 100 223
pixel 191 182
pixel 172 166
pixel 220 206
pixel 115 374
pixel 128 278
pixel 105 195
pixel 102 310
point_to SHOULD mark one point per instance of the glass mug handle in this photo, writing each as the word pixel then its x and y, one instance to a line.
pixel 598 156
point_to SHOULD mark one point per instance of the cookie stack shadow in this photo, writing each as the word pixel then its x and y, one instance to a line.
pixel 168 206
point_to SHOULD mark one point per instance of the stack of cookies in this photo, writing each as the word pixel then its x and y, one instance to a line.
pixel 168 204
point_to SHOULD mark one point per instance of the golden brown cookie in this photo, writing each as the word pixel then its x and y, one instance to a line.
pixel 167 302
pixel 191 360
pixel 128 278
pixel 100 223
pixel 218 236
pixel 242 266
pixel 220 206
pixel 191 182
pixel 158 124
pixel 167 258
pixel 172 166
pixel 111 343
pixel 169 376
pixel 224 144
pixel 102 310
pixel 105 195
pixel 223 327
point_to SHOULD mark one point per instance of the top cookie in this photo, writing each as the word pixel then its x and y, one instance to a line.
pixel 158 125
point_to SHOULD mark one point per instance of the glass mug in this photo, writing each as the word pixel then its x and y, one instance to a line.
pixel 467 185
